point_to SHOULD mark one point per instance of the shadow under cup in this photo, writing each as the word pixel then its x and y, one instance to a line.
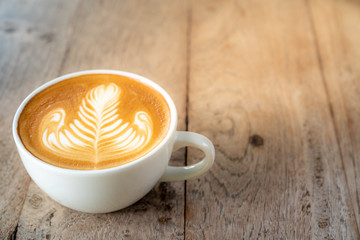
pixel 111 189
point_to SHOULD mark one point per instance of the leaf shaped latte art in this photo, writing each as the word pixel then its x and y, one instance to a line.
pixel 97 133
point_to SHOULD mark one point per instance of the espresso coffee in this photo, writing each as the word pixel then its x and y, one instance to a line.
pixel 94 121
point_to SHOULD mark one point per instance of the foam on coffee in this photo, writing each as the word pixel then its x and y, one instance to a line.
pixel 94 121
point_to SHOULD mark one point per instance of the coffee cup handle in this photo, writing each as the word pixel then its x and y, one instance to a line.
pixel 190 139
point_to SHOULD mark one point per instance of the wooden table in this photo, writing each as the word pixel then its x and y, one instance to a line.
pixel 274 84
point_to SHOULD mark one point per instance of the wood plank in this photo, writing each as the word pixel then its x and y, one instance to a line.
pixel 336 24
pixel 256 90
pixel 30 51
pixel 148 38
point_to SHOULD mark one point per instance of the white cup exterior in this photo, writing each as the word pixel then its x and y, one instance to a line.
pixel 104 190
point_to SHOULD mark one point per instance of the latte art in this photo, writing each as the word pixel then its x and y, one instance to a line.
pixel 98 133
pixel 94 122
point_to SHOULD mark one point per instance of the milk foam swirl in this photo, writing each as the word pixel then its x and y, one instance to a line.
pixel 98 133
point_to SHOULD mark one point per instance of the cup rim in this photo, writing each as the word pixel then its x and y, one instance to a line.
pixel 136 77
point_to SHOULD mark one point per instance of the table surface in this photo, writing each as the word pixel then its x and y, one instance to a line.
pixel 274 84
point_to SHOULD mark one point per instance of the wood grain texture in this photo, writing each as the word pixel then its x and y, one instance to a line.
pixel 274 84
pixel 29 54
pixel 336 25
pixel 259 95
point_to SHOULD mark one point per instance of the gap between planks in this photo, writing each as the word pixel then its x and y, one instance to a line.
pixel 187 87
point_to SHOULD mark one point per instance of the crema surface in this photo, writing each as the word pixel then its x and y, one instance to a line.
pixel 94 121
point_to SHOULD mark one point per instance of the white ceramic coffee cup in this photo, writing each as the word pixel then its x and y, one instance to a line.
pixel 107 190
